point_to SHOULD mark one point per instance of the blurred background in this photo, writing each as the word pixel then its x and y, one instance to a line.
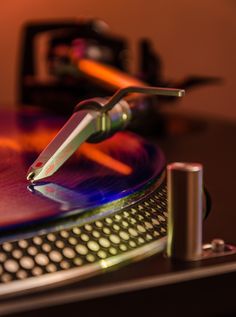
pixel 192 37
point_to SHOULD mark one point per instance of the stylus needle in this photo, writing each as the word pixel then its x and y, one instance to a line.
pixel 107 117
pixel 77 130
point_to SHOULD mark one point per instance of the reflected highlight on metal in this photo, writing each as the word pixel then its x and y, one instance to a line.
pixel 67 198
pixel 94 120
pixel 113 170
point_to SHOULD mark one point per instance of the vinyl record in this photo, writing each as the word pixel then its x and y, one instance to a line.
pixel 114 173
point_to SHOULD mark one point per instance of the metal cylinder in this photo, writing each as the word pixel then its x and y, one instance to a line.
pixel 185 203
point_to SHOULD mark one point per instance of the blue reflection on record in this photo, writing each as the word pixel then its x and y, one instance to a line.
pixel 103 173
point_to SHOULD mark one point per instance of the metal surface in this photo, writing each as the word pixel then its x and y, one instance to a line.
pixel 156 91
pixel 157 280
pixel 94 120
pixel 84 125
pixel 78 129
pixel 42 261
pixel 121 167
pixel 185 204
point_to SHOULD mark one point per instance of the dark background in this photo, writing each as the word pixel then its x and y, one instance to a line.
pixel 193 37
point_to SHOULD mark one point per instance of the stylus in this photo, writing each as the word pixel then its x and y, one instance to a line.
pixel 94 120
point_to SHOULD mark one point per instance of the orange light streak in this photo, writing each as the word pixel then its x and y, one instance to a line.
pixel 10 143
pixel 37 141
pixel 104 159
pixel 107 75
pixel 40 139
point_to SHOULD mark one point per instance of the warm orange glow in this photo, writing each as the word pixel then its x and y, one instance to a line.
pixel 39 139
pixel 104 159
pixel 10 143
pixel 107 75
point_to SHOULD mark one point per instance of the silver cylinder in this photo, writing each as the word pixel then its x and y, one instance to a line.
pixel 185 203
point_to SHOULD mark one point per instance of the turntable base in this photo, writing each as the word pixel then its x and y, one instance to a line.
pixel 157 285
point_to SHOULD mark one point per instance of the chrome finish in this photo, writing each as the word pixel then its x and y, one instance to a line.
pixel 30 176
pixel 156 91
pixel 218 245
pixel 46 259
pixel 84 125
pixel 94 120
pixel 217 248
pixel 111 121
pixel 185 202
pixel 77 130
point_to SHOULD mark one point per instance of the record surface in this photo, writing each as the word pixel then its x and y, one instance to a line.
pixel 97 174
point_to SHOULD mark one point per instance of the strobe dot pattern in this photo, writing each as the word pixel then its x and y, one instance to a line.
pixel 114 235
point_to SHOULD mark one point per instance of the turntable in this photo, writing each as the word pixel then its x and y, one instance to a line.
pixel 74 240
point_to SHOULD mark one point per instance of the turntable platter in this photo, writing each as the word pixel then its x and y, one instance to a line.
pixel 97 175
